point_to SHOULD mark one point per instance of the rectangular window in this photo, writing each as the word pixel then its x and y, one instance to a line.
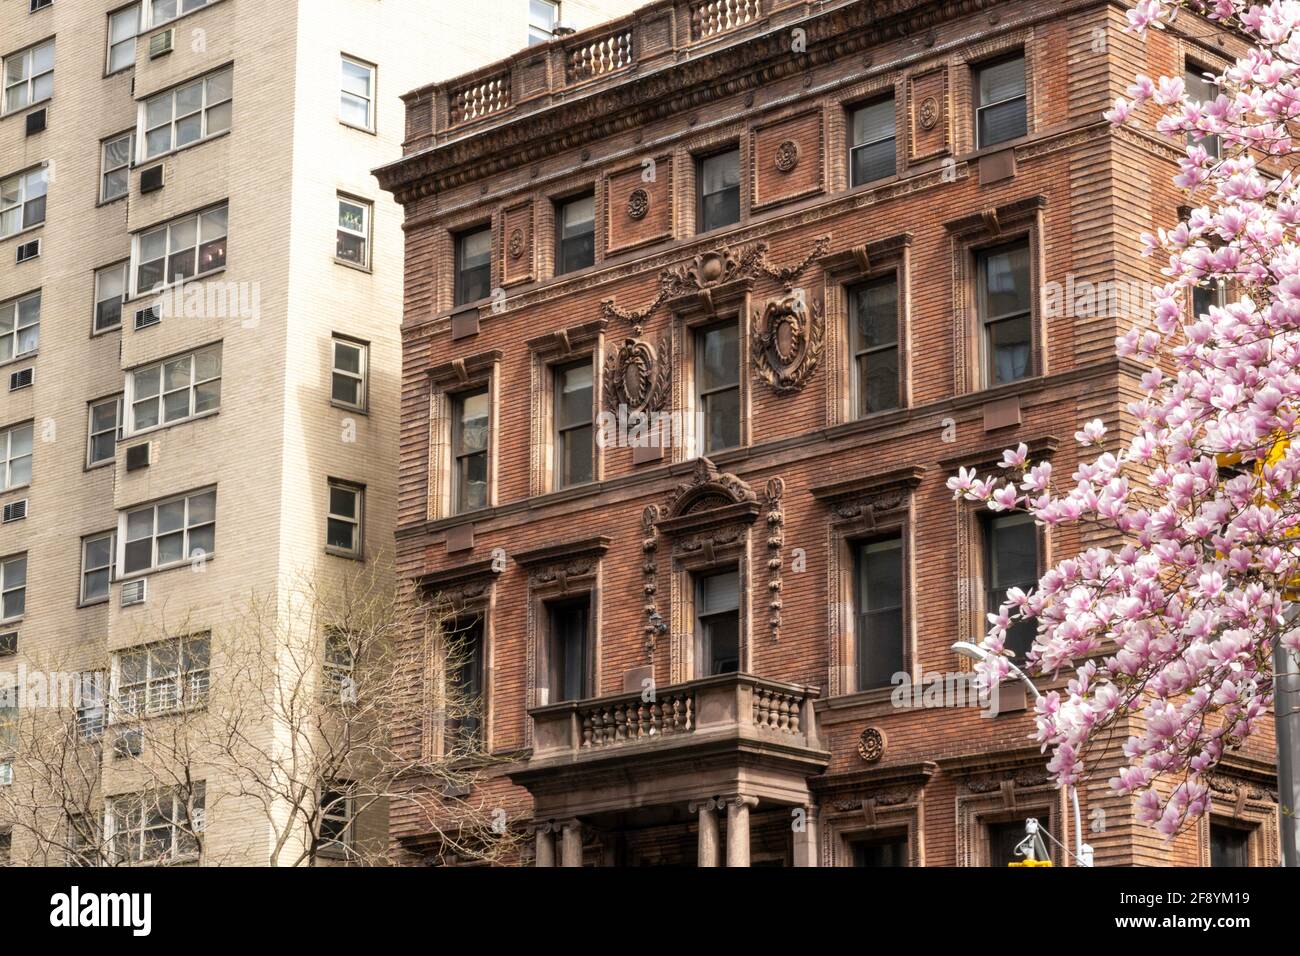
pixel 343 524
pixel 123 25
pixel 110 294
pixel 96 566
pixel 469 443
pixel 16 466
pixel 466 657
pixel 155 827
pixel 1011 561
pixel 187 114
pixel 719 190
pixel 22 201
pixel 717 623
pixel 29 76
pixel 161 11
pixel 569 651
pixel 357 93
pixel 543 17
pixel 13 587
pixel 20 326
pixel 1208 293
pixel 881 851
pixel 8 716
pixel 169 533
pixel 176 389
pixel 183 249
pixel 575 239
pixel 872 151
pixel 873 335
pixel 1229 845
pixel 115 166
pixel 339 666
pixel 717 385
pixel 1003 839
pixel 1201 89
pixel 573 431
pixel 348 381
pixel 92 704
pixel 336 810
pixel 162 677
pixel 1005 318
pixel 105 430
pixel 353 237
pixel 473 265
pixel 6 847
pixel 878 594
pixel 1000 113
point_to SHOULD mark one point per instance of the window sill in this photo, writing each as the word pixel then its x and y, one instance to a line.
pixel 97 333
pixel 23 110
pixel 154 429
pixel 350 555
pixel 164 289
pixel 356 409
pixel 98 602
pixel 103 203
pixel 18 359
pixel 369 130
pixel 23 232
pixel 162 569
pixel 367 269
pixel 151 160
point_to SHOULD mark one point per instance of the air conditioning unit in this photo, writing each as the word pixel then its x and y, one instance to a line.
pixel 133 592
pixel 151 179
pixel 127 743
pixel 138 456
pixel 8 643
pixel 162 43
pixel 23 378
pixel 36 121
pixel 28 250
pixel 15 510
pixel 147 317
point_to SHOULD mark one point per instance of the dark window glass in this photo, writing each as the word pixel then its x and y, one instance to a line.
pixel 879 597
pixel 1208 293
pixel 473 266
pixel 1011 561
pixel 465 651
pixel 871 155
pixel 717 615
pixel 575 224
pixel 470 417
pixel 873 317
pixel 1229 846
pixel 1000 101
pixel 1004 308
pixel 569 650
pixel 719 188
pixel 1200 89
pixel 717 384
pixel 887 851
pixel 1003 840
pixel 573 431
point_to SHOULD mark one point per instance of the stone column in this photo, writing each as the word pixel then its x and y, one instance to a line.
pixel 545 855
pixel 738 829
pixel 571 843
pixel 708 850
pixel 805 839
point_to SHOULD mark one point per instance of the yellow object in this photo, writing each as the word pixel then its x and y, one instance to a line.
pixel 1032 863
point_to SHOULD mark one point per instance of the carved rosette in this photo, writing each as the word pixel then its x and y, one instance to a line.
pixel 929 113
pixel 516 243
pixel 871 745
pixel 786 342
pixel 638 376
pixel 638 204
pixel 787 156
pixel 775 543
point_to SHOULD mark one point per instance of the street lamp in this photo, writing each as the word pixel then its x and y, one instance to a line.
pixel 1082 851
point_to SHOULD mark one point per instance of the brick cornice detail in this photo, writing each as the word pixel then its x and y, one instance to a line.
pixel 462 370
pixel 564 551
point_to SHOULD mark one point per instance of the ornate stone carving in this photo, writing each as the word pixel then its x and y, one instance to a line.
pixel 871 745
pixel 787 156
pixel 516 244
pixel 707 488
pixel 775 542
pixel 638 204
pixel 929 113
pixel 655 625
pixel 786 342
pixel 560 574
pixel 637 376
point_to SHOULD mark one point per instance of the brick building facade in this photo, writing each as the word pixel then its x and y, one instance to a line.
pixel 841 249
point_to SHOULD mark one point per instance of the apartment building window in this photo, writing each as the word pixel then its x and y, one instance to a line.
pixel 16 468
pixel 575 239
pixel 161 11
pixel 185 248
pixel 353 242
pixel 6 847
pixel 115 166
pixel 162 677
pixel 357 94
pixel 348 378
pixel 1003 838
pixel 466 656
pixel 105 430
pixel 96 567
pixel 873 335
pixel 1207 294
pixel 29 76
pixel 718 179
pixel 177 389
pixel 339 666
pixel 543 18
pixel 1005 317
pixel 1229 845
pixel 336 813
pixel 473 265
pixel 22 201
pixel 1201 89
pixel 344 521
pixel 155 827
pixel 1011 561
pixel 8 717
pixel 573 431
pixel 13 587
pixel 168 533
pixel 880 851
pixel 110 294
pixel 123 26
pixel 872 153
pixel 717 623
pixel 717 385
pixel 1000 113
pixel 879 642
pixel 469 442
pixel 92 704
pixel 20 326
pixel 568 652
pixel 187 114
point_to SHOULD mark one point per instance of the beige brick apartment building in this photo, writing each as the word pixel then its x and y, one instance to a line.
pixel 160 463
pixel 849 247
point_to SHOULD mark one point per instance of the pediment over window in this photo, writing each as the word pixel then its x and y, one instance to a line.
pixel 460 371
pixel 869 495
pixel 708 498
pixel 464 586
pixel 989 459
pixel 565 564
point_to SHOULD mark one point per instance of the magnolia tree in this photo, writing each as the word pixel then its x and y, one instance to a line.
pixel 1179 622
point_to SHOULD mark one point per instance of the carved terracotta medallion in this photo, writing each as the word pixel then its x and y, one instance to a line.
pixel 787 341
pixel 637 376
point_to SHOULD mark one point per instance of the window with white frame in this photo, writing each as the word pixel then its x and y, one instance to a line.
pixel 357 93
pixel 184 248
pixel 353 242
pixel 168 533
pixel 338 667
pixel 186 114
pixel 543 18
pixel 161 678
pixel 20 326
pixel 163 11
pixel 336 810
pixel 22 200
pixel 343 524
pixel 115 166
pixel 96 566
pixel 16 446
pixel 177 389
pixel 110 294
pixel 13 587
pixel 8 715
pixel 348 382
pixel 29 76
pixel 123 26
pixel 104 431
pixel 155 827
pixel 92 704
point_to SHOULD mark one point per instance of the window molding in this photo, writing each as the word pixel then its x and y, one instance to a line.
pixel 735 143
pixel 1014 788
pixel 371 101
pixel 362 378
pixel 962 87
pixel 83 600
pixel 92 433
pixel 872 803
pixel 1243 796
pixel 691 314
pixel 546 352
pixel 357 520
pixel 446 381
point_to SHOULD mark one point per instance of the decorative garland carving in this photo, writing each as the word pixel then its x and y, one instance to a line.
pixel 655 625
pixel 561 573
pixel 638 376
pixel 785 343
pixel 775 542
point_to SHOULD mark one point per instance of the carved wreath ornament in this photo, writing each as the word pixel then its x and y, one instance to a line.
pixel 637 376
pixel 787 341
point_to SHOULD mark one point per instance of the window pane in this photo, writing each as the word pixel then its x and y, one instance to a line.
pixel 878 381
pixel 719 190
pixel 880 650
pixel 473 481
pixel 171 516
pixel 474 422
pixel 343 502
pixel 722 414
pixel 203 508
pixel 1009 344
pixel 1001 123
pixel 356 79
pixel 347 358
pixel 874 161
pixel 201 541
pixel 875 313
pixel 573 398
pixel 345 389
pixel 1005 273
pixel 576 462
pixel 718 592
pixel 719 356
pixel 340 534
pixel 1011 560
pixel 874 122
pixel 1001 81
